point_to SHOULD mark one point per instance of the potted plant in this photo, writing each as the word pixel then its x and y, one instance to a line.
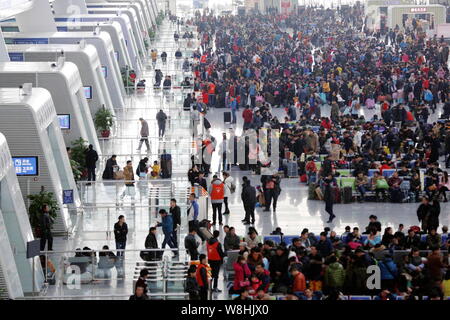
pixel 104 120
pixel 77 157
pixel 77 174
pixel 35 209
pixel 151 34
pixel 128 77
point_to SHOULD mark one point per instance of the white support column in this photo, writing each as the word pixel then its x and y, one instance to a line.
pixel 70 7
pixel 38 19
pixel 173 6
pixel 4 57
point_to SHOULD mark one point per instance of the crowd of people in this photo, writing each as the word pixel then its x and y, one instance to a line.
pixel 328 266
pixel 357 103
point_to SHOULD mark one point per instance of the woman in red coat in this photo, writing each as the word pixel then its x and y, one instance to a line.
pixel 241 276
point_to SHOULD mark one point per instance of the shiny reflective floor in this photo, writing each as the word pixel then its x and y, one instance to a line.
pixel 103 204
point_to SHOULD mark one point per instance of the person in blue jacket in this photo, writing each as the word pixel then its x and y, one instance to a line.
pixel 167 228
pixel 389 272
pixel 233 106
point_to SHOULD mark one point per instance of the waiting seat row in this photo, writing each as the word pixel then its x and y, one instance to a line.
pixel 277 239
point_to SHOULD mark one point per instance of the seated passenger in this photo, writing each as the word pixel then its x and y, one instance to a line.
pixel 380 185
pixel 107 261
pixel 362 183
pixel 394 183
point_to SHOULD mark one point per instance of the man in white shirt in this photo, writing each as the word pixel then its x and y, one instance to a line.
pixel 229 189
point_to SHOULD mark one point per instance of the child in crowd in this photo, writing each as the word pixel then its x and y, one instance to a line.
pixel 155 170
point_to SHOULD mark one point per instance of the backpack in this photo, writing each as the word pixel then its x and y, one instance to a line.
pixel 428 96
pixel 232 188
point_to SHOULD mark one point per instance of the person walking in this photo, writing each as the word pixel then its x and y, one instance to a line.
pixel 233 107
pixel 46 228
pixel 151 243
pixel 128 174
pixel 215 258
pixel 195 118
pixel 202 277
pixel 120 235
pixel 217 194
pixel 167 227
pixel 191 244
pixel 161 117
pixel 328 196
pixel 175 211
pixel 91 158
pixel 110 167
pixel 144 135
pixel 230 188
pixel 224 153
pixel 248 197
pixel 271 186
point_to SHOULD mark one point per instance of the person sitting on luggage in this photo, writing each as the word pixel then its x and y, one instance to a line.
pixel 394 188
pixel 311 170
pixel 361 183
pixel 156 170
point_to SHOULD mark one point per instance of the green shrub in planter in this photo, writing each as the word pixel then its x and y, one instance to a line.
pixel 103 121
pixel 78 151
pixel 35 209
pixel 151 34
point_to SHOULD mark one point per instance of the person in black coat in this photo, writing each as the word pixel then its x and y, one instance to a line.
pixel 435 146
pixel 175 211
pixel 200 180
pixel 120 234
pixel 46 228
pixel 423 213
pixel 433 219
pixel 191 284
pixel 278 267
pixel 326 167
pixel 191 244
pixel 248 197
pixel 139 294
pixel 329 196
pixel 91 158
pixel 108 173
pixel 151 243
pixel 142 167
pixel 412 240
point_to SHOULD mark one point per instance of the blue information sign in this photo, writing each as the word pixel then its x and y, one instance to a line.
pixel 26 166
pixel 67 196
pixel 16 56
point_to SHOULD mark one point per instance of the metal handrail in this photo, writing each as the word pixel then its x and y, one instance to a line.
pixel 106 297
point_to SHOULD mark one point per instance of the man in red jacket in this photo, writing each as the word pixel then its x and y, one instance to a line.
pixel 201 276
pixel 247 114
pixel 215 258
pixel 299 280
pixel 264 276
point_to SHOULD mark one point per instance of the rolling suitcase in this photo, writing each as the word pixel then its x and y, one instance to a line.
pixel 166 166
pixel 205 234
pixel 337 195
pixel 227 117
pixel 292 169
pixel 312 191
pixel 347 194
